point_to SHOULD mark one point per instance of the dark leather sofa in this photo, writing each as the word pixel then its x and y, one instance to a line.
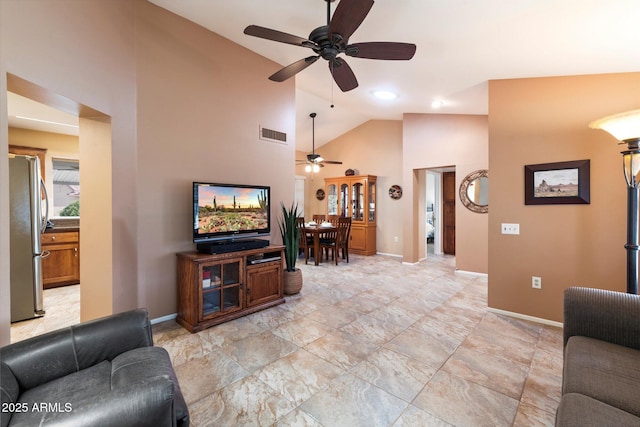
pixel 104 372
pixel 601 373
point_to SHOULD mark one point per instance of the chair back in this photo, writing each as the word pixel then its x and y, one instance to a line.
pixel 333 219
pixel 318 218
pixel 344 228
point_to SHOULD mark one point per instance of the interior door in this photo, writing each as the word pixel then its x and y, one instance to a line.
pixel 449 213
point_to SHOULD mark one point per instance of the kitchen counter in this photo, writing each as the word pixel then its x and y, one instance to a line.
pixel 62 224
pixel 61 229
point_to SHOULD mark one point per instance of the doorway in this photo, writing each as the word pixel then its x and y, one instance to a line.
pixel 299 193
pixel 449 213
pixel 95 144
pixel 439 210
pixel 35 129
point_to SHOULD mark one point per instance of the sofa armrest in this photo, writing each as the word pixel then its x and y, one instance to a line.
pixel 9 392
pixel 46 357
pixel 148 403
pixel 602 314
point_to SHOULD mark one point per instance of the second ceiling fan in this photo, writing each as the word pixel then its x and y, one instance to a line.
pixel 314 161
pixel 328 41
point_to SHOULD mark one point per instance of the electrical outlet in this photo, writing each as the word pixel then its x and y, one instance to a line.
pixel 510 228
pixel 395 238
pixel 536 282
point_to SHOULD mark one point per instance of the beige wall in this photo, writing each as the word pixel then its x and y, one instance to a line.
pixel 373 148
pixel 201 100
pixel 182 102
pixel 546 120
pixel 435 141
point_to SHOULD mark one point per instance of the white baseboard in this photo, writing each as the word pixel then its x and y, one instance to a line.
pixel 164 318
pixel 525 317
pixel 386 254
pixel 472 273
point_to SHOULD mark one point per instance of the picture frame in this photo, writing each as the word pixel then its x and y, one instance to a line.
pixel 560 183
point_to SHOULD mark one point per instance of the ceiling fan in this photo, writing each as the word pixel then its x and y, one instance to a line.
pixel 328 41
pixel 314 161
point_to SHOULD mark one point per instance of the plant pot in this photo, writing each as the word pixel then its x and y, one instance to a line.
pixel 292 281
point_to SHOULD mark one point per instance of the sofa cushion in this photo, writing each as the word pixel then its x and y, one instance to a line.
pixel 578 410
pixel 606 372
pixel 62 394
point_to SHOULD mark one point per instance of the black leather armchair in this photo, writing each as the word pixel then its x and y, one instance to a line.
pixel 105 372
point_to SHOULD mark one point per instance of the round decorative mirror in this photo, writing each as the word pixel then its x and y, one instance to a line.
pixel 474 191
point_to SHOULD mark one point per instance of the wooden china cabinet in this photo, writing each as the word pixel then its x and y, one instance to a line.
pixel 355 197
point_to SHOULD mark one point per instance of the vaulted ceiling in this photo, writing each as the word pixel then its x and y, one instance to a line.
pixel 461 45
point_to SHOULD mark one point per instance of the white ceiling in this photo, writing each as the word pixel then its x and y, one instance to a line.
pixel 461 44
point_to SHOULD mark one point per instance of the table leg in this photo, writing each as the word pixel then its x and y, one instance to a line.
pixel 316 248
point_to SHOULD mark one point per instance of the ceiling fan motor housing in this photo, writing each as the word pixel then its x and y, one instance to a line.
pixel 327 47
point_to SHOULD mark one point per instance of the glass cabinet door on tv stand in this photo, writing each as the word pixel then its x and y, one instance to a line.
pixel 221 287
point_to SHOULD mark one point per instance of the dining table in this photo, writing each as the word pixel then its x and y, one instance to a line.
pixel 317 231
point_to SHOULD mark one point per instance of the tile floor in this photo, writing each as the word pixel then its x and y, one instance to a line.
pixel 372 343
pixel 62 309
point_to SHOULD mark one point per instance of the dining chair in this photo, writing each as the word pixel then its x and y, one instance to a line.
pixel 344 224
pixel 336 239
pixel 329 243
pixel 318 218
pixel 305 242
pixel 333 219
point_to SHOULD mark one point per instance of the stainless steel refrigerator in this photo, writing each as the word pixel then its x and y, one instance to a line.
pixel 26 223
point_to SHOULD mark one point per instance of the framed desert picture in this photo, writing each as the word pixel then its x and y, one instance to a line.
pixel 557 183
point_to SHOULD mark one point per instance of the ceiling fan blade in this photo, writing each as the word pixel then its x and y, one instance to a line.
pixel 382 50
pixel 277 36
pixel 348 16
pixel 332 162
pixel 292 69
pixel 342 74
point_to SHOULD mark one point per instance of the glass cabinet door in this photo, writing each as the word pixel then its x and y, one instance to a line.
pixel 220 288
pixel 332 199
pixel 371 196
pixel 344 200
pixel 211 284
pixel 357 200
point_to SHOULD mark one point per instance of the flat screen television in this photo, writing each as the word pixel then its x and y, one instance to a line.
pixel 230 211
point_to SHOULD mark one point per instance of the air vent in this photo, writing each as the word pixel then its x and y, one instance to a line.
pixel 273 135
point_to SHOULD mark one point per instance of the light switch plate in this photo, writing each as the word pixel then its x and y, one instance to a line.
pixel 510 228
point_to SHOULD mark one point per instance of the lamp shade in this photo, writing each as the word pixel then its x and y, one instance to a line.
pixel 623 126
pixel 631 166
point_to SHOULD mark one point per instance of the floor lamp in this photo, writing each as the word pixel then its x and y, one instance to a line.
pixel 625 127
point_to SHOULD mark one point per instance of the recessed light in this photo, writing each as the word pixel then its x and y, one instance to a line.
pixel 46 121
pixel 384 94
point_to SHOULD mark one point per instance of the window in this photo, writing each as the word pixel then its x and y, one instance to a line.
pixel 66 188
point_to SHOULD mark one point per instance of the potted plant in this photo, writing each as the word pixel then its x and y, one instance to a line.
pixel 290 239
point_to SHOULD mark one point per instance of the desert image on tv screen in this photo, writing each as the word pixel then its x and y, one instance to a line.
pixel 231 209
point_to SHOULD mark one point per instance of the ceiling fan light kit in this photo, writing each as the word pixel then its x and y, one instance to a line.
pixel 331 40
pixel 315 161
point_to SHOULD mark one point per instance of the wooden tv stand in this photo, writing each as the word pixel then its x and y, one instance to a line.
pixel 216 288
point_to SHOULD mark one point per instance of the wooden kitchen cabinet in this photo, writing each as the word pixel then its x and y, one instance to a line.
pixel 62 266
